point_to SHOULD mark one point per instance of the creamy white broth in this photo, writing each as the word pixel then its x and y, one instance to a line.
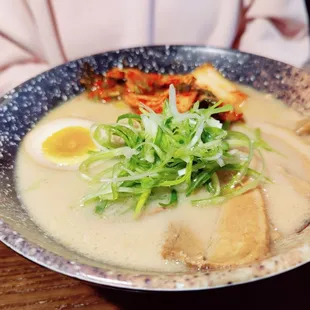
pixel 52 197
pixel 287 207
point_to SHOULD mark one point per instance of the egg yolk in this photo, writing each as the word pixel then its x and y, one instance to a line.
pixel 69 142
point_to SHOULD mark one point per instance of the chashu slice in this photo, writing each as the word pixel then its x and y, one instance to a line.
pixel 210 79
pixel 242 234
pixel 182 245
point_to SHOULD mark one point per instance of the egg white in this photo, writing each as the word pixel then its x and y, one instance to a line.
pixel 35 138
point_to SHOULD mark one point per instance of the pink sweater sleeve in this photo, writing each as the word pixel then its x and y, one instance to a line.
pixel 29 45
pixel 277 29
pixel 20 52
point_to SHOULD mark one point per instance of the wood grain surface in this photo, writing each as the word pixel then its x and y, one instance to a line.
pixel 25 285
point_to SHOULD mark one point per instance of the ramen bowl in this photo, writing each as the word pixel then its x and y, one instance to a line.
pixel 25 105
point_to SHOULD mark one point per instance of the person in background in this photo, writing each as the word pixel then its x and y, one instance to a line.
pixel 37 35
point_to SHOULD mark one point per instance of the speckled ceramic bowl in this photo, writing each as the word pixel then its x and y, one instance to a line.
pixel 22 107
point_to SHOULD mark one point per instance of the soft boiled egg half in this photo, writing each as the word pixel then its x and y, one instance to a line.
pixel 61 143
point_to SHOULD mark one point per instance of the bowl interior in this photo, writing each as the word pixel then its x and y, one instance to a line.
pixel 22 107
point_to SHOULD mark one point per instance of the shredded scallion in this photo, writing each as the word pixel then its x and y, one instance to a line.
pixel 187 152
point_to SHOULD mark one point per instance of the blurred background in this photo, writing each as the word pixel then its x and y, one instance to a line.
pixel 37 35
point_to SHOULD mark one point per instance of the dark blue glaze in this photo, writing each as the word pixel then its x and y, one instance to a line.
pixel 22 107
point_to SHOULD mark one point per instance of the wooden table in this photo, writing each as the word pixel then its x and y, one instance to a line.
pixel 25 285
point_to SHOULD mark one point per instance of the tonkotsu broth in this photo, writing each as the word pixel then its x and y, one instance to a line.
pixel 52 197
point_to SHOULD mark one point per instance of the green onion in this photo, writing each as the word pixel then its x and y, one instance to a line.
pixel 101 206
pixel 173 200
pixel 141 202
pixel 141 154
